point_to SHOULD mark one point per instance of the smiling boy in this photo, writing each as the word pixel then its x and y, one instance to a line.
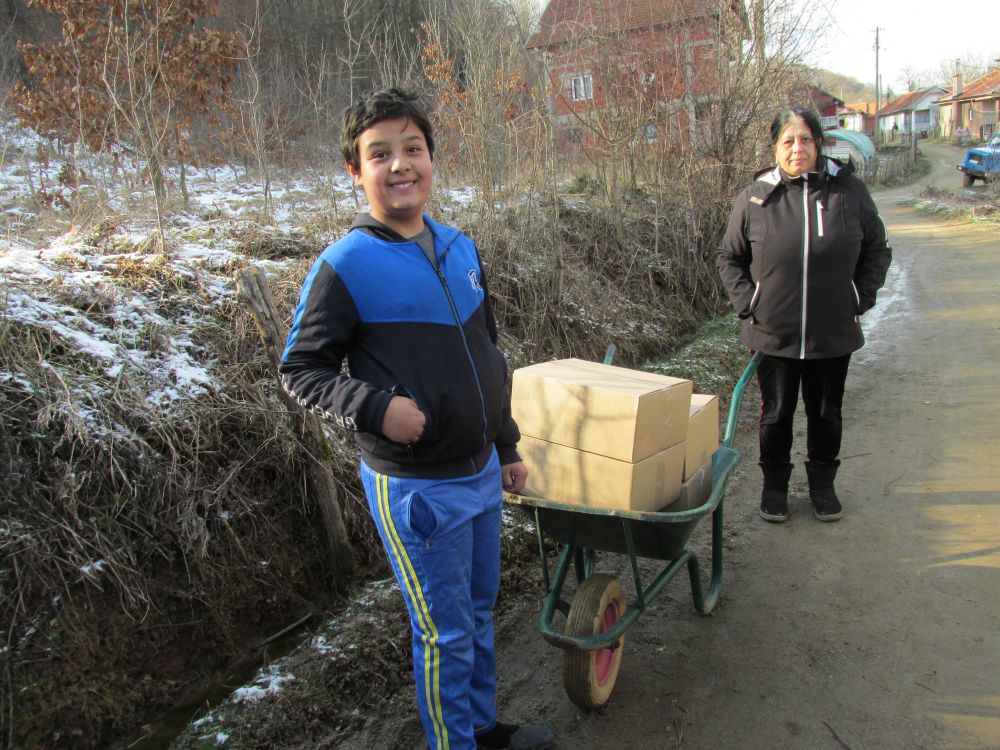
pixel 404 300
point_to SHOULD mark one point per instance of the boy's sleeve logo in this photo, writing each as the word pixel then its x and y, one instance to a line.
pixel 474 280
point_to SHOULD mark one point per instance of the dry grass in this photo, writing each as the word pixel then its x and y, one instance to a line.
pixel 980 203
pixel 570 278
pixel 143 538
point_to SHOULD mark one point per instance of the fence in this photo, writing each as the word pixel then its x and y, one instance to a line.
pixel 890 165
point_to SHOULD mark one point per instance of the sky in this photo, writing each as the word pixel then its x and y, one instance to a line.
pixel 908 38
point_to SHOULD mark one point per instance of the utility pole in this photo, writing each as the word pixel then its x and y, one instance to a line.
pixel 878 89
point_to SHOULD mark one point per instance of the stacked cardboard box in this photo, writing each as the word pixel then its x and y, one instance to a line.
pixel 600 435
pixel 610 437
pixel 702 442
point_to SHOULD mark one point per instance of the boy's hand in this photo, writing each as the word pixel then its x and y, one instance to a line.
pixel 514 476
pixel 403 421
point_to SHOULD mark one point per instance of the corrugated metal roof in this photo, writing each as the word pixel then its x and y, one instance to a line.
pixel 859 140
pixel 563 20
pixel 984 86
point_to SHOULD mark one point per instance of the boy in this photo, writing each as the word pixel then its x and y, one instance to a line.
pixel 404 299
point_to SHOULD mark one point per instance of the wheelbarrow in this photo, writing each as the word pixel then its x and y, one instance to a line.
pixel 598 616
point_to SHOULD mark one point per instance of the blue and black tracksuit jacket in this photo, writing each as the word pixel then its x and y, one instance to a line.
pixel 406 327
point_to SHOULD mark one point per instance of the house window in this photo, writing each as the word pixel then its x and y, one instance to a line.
pixel 581 88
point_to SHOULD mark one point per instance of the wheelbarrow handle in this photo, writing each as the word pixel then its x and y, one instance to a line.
pixel 734 404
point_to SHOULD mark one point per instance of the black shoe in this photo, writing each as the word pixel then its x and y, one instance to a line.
pixel 516 737
pixel 774 505
pixel 826 506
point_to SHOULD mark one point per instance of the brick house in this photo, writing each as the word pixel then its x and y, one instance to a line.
pixel 825 104
pixel 973 107
pixel 634 70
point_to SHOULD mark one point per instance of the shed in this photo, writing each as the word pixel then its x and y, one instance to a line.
pixel 850 144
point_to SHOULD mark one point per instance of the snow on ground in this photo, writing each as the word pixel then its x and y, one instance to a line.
pixel 76 286
pixel 55 281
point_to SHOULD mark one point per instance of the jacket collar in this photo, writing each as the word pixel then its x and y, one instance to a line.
pixel 768 180
pixel 372 226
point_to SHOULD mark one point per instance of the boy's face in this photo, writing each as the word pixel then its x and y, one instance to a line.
pixel 395 172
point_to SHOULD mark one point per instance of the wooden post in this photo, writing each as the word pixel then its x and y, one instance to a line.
pixel 254 291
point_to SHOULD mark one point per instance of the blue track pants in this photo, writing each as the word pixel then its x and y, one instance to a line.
pixel 443 541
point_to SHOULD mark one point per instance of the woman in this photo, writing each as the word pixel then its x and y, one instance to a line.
pixel 804 254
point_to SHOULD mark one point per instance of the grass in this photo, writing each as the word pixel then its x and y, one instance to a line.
pixel 979 204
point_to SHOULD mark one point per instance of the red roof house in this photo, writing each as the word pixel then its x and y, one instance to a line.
pixel 630 69
pixel 859 116
pixel 974 107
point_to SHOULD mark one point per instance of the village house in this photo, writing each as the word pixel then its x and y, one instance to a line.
pixel 859 116
pixel 971 110
pixel 914 113
pixel 825 104
pixel 631 70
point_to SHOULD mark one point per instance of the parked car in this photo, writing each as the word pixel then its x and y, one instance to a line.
pixel 981 162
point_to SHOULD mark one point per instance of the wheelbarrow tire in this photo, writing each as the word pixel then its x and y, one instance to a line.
pixel 589 676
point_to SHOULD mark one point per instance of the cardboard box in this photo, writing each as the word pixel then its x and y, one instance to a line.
pixel 702 434
pixel 694 491
pixel 624 414
pixel 568 475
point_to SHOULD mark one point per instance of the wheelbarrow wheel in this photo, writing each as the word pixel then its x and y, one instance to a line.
pixel 589 676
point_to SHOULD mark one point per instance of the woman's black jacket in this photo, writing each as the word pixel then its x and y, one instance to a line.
pixel 802 259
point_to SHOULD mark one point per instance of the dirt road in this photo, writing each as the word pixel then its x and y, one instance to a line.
pixel 880 631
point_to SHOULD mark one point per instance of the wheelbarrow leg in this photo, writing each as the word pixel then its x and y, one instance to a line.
pixel 705 604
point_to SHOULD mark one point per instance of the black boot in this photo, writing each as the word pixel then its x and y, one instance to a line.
pixel 774 496
pixel 826 505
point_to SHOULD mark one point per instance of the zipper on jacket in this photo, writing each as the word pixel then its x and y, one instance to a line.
pixel 819 217
pixel 753 299
pixel 805 266
pixel 461 333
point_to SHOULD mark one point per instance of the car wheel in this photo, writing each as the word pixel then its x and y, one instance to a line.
pixel 968 180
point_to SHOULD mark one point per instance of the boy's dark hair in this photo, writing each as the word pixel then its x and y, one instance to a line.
pixel 811 120
pixel 375 106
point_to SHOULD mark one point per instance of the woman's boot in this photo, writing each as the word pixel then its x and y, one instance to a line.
pixel 826 505
pixel 774 496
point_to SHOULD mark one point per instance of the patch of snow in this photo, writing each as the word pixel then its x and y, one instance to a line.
pixel 95 567
pixel 266 684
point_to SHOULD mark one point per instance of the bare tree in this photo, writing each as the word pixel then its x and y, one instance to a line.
pixel 129 74
pixel 488 109
pixel 251 109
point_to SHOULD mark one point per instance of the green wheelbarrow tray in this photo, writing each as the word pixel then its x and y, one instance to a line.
pixel 583 531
